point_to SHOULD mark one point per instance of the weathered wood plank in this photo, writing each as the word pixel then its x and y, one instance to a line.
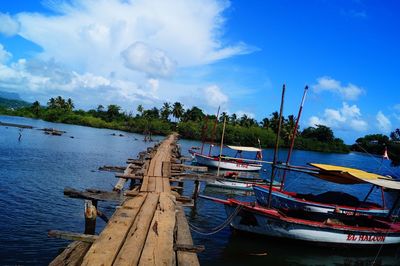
pixel 189 167
pixel 72 255
pixel 159 249
pixel 128 176
pixel 183 237
pixel 15 125
pixel 166 184
pixel 135 240
pixel 159 184
pixel 135 161
pixel 145 184
pixel 151 187
pixel 111 168
pixel 121 182
pixel 92 194
pixel 166 169
pixel 131 193
pixel 72 236
pixel 105 249
pixel 189 248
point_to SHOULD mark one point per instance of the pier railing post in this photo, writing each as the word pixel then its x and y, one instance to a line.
pixel 90 217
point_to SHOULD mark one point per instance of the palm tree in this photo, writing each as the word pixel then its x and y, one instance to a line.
pixel 70 105
pixel 233 119
pixel 60 102
pixel 166 111
pixel 113 111
pixel 36 108
pixel 224 116
pixel 140 109
pixel 265 123
pixel 51 103
pixel 100 108
pixel 177 110
pixel 288 128
pixel 274 121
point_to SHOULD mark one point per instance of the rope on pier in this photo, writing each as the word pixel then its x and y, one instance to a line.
pixel 211 231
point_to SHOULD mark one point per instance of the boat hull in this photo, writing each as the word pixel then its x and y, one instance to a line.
pixel 224 164
pixel 259 223
pixel 280 200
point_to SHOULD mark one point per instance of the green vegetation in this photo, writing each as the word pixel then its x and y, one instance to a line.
pixel 190 123
pixel 12 103
pixel 377 143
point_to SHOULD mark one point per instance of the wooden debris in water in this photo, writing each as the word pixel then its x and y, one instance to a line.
pixel 15 125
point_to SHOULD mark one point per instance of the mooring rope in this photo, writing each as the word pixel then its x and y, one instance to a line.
pixel 211 231
pixel 380 162
pixel 387 232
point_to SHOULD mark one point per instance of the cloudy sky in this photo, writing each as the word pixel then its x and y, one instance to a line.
pixel 210 53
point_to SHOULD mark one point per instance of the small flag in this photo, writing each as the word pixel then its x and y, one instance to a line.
pixel 385 154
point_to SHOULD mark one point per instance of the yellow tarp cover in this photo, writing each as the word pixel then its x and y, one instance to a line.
pixel 346 175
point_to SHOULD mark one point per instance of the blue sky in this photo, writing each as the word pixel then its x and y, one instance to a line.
pixel 236 54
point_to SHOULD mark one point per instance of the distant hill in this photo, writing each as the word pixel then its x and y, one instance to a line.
pixel 9 95
pixel 12 103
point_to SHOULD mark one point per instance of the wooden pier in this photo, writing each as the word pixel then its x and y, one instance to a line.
pixel 148 228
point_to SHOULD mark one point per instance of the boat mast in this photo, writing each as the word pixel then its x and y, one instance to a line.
pixel 294 135
pixel 203 134
pixel 276 146
pixel 222 145
pixel 213 132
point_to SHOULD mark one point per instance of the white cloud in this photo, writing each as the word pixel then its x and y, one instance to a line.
pixel 127 49
pixel 4 54
pixel 92 31
pixel 345 118
pixel 154 62
pixel 349 92
pixel 8 26
pixel 46 76
pixel 384 124
pixel 214 96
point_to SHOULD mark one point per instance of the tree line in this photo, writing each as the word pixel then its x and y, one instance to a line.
pixel 378 143
pixel 190 123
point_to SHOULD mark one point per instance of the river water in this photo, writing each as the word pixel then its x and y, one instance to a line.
pixel 35 170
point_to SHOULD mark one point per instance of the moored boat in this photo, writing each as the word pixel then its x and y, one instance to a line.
pixel 331 227
pixel 338 229
pixel 330 201
pixel 230 163
pixel 232 180
pixel 327 202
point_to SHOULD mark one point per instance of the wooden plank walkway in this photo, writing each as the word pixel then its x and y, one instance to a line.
pixel 145 229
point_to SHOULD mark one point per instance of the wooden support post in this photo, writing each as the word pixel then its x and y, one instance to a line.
pixel 180 184
pixel 90 217
pixel 196 191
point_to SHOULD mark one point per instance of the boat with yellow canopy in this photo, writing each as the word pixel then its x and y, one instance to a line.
pixel 331 201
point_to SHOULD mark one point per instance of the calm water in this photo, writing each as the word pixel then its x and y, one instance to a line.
pixel 35 170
